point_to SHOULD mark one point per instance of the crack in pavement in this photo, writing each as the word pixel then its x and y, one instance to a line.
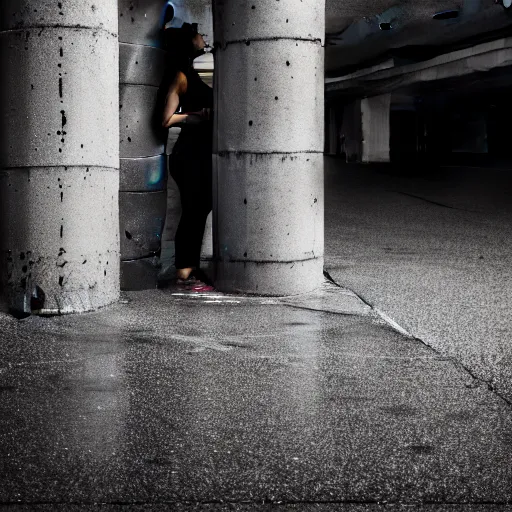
pixel 436 202
pixel 476 381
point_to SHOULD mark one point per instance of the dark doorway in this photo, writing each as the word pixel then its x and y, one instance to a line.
pixel 403 143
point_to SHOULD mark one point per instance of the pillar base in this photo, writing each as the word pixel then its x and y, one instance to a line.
pixel 137 275
pixel 272 279
pixel 59 245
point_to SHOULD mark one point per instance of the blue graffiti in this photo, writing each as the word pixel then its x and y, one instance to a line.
pixel 155 174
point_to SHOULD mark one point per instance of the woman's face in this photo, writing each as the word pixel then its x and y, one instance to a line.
pixel 198 42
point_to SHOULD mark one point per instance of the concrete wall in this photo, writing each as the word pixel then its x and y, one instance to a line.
pixel 351 131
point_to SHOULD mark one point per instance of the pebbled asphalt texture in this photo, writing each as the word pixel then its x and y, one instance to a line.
pixel 431 248
pixel 214 402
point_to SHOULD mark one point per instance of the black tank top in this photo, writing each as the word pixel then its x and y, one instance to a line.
pixel 198 95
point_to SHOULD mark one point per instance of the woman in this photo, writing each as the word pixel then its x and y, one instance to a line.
pixel 187 102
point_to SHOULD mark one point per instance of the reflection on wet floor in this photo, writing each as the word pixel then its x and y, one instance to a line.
pixel 174 399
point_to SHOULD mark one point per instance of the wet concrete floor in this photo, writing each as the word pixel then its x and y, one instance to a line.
pixel 172 402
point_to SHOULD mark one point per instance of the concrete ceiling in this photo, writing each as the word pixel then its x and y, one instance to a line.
pixel 341 13
pixel 355 38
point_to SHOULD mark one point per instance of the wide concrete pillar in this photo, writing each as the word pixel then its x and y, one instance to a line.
pixel 59 155
pixel 268 145
pixel 143 165
pixel 366 129
pixel 375 114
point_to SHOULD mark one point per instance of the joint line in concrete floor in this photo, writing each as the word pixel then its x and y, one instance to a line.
pixel 395 326
pixel 436 202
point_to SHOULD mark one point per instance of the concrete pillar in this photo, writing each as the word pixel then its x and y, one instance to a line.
pixel 143 165
pixel 268 145
pixel 366 129
pixel 375 128
pixel 468 127
pixel 59 155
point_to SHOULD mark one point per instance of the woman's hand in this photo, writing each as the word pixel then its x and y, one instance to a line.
pixel 199 117
pixel 204 114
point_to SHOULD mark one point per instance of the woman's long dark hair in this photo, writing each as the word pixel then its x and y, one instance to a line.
pixel 180 54
pixel 179 46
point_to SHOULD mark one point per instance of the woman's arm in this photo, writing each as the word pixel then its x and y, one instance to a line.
pixel 172 101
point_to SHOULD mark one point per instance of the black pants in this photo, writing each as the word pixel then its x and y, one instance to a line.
pixel 193 175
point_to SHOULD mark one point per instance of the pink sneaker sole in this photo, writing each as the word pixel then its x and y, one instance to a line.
pixel 202 288
pixel 194 285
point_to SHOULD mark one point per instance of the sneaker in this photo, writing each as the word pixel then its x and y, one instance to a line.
pixel 201 287
pixel 194 285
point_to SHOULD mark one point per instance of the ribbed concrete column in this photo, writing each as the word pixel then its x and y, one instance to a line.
pixel 366 129
pixel 59 154
pixel 375 112
pixel 143 176
pixel 268 147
